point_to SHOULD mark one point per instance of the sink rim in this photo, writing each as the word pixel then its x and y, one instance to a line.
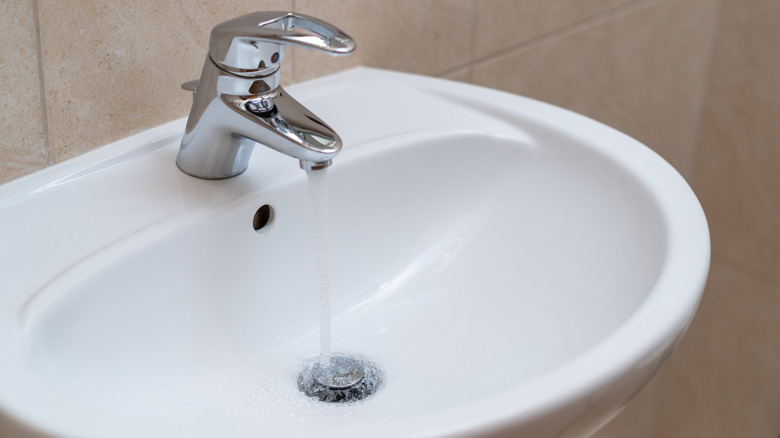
pixel 685 223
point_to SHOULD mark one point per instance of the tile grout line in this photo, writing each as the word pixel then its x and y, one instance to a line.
pixel 703 99
pixel 474 30
pixel 41 82
pixel 468 66
pixel 745 269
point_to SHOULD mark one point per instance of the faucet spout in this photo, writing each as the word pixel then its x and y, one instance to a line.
pixel 235 108
pixel 312 165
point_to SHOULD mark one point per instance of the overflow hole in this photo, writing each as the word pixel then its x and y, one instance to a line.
pixel 263 218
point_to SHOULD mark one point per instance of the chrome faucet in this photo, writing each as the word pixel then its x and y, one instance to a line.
pixel 238 100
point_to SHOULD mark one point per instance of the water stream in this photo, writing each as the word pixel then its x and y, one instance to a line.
pixel 320 206
pixel 334 378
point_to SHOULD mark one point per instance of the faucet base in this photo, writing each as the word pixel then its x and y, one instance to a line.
pixel 229 160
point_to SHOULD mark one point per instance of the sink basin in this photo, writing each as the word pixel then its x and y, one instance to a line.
pixel 513 268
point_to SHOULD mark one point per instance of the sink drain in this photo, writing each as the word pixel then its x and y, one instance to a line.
pixel 346 379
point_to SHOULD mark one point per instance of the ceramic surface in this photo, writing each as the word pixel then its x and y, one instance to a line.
pixel 513 267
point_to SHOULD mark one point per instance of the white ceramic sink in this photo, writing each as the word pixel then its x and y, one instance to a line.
pixel 515 269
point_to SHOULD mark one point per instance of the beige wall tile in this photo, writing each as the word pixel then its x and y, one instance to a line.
pixel 724 379
pixel 502 24
pixel 22 144
pixel 429 37
pixel 738 157
pixel 641 72
pixel 567 71
pixel 654 88
pixel 114 68
pixel 639 418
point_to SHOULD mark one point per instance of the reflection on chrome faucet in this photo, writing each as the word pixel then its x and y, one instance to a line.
pixel 238 100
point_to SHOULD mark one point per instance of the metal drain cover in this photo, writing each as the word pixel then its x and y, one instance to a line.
pixel 344 379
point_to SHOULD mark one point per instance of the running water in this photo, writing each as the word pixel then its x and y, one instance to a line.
pixel 319 196
pixel 335 378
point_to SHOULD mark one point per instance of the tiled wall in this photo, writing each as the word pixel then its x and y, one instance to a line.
pixel 78 74
pixel 728 366
pixel 700 87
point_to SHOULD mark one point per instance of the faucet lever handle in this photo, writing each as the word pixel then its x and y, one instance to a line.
pixel 253 45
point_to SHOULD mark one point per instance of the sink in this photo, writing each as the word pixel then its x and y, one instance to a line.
pixel 514 269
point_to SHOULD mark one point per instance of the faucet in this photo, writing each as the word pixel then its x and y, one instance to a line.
pixel 239 101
